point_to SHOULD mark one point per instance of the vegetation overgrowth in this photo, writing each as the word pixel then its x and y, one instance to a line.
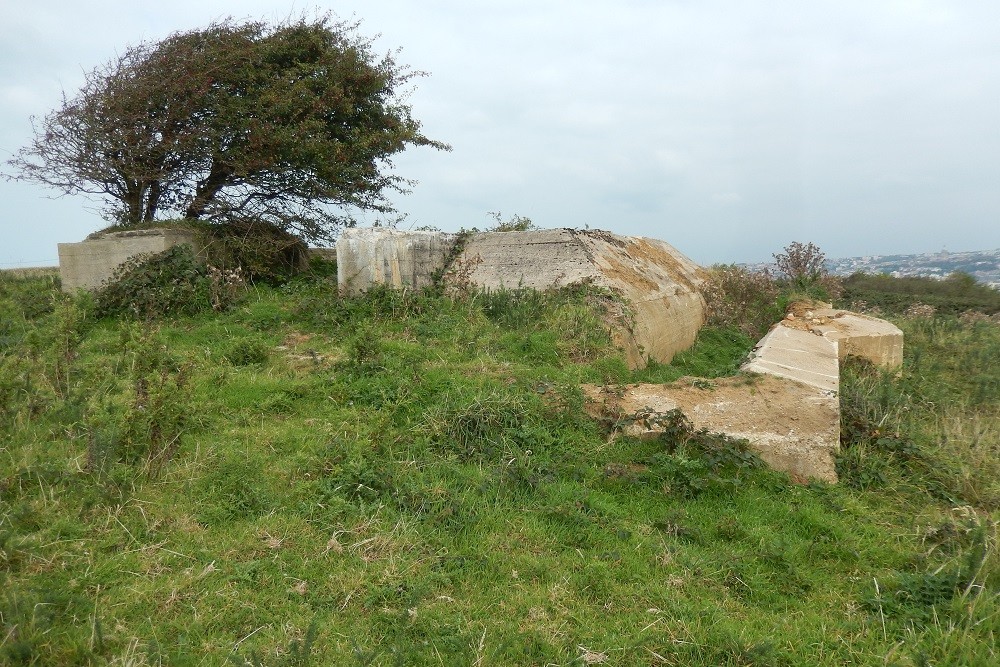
pixel 956 294
pixel 412 479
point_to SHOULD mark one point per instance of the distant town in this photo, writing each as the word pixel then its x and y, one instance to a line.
pixel 984 265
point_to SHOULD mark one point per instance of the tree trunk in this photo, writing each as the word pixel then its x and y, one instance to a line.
pixel 152 202
pixel 207 189
pixel 133 204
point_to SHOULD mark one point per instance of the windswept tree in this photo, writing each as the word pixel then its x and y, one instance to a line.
pixel 293 124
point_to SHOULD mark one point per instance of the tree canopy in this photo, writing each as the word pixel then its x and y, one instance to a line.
pixel 294 124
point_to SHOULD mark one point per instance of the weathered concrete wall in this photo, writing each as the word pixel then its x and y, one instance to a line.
pixel 659 283
pixel 791 426
pixel 89 263
pixel 367 257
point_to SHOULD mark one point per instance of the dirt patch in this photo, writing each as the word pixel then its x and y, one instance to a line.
pixel 807 315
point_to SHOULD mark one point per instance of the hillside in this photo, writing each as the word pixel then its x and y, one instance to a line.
pixel 983 265
pixel 412 479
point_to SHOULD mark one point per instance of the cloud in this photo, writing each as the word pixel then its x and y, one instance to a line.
pixel 727 128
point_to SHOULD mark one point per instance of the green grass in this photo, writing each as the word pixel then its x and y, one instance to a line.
pixel 413 480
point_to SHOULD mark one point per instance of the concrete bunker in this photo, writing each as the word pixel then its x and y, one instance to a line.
pixel 788 409
pixel 658 284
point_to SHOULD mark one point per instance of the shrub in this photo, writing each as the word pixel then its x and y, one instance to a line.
pixel 694 460
pixel 20 295
pixel 489 426
pixel 149 286
pixel 247 352
pixel 145 422
pixel 952 296
pixel 225 287
pixel 745 299
pixel 168 284
pixel 516 223
pixel 262 252
pixel 803 266
pixel 233 490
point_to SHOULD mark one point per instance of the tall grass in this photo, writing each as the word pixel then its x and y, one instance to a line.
pixel 407 479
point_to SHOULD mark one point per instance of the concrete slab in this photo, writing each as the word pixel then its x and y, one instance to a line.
pixel 871 338
pixel 790 425
pixel 790 410
pixel 797 354
pixel 89 263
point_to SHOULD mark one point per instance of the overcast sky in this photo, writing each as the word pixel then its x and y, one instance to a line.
pixel 728 129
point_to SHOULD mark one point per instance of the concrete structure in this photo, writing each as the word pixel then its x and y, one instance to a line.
pixel 791 426
pixel 788 409
pixel 659 285
pixel 89 263
pixel 858 335
pixel 403 259
pixel 799 355
pixel 662 305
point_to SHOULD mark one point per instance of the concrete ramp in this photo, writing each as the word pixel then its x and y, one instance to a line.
pixel 795 354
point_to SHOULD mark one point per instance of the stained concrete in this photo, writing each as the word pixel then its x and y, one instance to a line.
pixel 659 285
pixel 790 425
pixel 89 263
pixel 402 259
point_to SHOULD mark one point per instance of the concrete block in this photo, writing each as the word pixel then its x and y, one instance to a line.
pixel 659 284
pixel 790 425
pixel 367 257
pixel 89 263
pixel 790 412
pixel 871 338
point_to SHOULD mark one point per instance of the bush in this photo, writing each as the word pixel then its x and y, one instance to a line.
pixel 803 266
pixel 149 286
pixel 262 252
pixel 741 298
pixel 694 460
pixel 247 352
pixel 168 284
pixel 957 294
pixel 146 422
pixel 20 295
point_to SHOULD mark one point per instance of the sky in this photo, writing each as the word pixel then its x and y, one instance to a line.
pixel 727 128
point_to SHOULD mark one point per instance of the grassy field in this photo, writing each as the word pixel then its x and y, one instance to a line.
pixel 413 480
